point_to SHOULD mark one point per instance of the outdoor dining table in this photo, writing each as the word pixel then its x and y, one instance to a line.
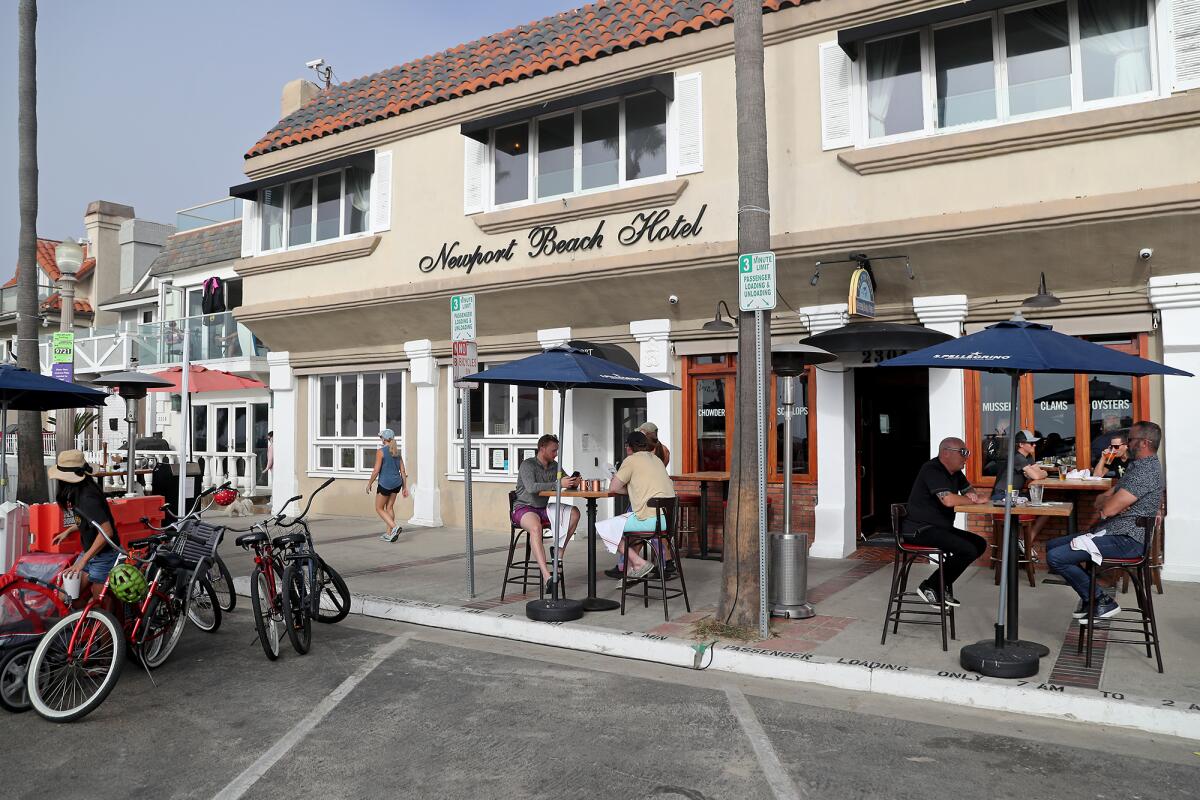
pixel 1025 510
pixel 704 479
pixel 591 602
pixel 1075 485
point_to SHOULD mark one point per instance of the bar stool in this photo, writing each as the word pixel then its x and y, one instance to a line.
pixel 1138 569
pixel 1029 559
pixel 1156 557
pixel 526 572
pixel 908 554
pixel 689 518
pixel 657 546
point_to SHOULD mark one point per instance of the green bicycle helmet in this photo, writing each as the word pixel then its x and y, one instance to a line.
pixel 127 583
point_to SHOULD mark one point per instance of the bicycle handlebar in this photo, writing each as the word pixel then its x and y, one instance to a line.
pixel 307 506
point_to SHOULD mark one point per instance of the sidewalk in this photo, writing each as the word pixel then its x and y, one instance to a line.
pixel 426 569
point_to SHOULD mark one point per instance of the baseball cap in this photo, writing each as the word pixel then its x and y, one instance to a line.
pixel 387 433
pixel 1027 437
pixel 648 427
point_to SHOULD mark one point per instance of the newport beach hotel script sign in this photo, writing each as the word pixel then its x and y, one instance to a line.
pixel 660 225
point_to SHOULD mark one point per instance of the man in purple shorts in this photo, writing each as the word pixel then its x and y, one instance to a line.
pixel 533 512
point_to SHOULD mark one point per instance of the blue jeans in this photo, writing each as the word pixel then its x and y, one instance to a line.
pixel 100 565
pixel 1068 563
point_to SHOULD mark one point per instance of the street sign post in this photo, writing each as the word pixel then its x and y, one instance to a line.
pixel 756 281
pixel 462 318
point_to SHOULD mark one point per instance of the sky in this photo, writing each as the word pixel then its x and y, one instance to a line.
pixel 153 103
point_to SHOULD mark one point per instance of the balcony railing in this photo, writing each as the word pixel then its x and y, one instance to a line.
pixel 212 337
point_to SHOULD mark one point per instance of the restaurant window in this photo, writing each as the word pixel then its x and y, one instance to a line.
pixel 319 209
pixel 709 399
pixel 1045 58
pixel 346 414
pixel 505 422
pixel 596 147
pixel 1073 414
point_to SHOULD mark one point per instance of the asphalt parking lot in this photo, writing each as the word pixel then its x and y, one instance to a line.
pixel 387 710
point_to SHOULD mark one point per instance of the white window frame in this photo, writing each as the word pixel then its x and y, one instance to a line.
pixel 287 215
pixel 367 439
pixel 577 161
pixel 512 442
pixel 929 76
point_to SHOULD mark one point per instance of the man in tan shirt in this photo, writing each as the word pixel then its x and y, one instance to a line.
pixel 642 476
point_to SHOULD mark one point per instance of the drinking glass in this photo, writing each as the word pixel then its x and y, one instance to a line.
pixel 1035 495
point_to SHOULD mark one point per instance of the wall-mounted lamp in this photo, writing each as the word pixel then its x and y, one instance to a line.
pixel 1043 298
pixel 718 324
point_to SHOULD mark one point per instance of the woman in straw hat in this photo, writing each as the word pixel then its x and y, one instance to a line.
pixel 79 494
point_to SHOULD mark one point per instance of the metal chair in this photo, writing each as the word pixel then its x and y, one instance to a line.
pixel 1138 570
pixel 1025 530
pixel 908 554
pixel 657 546
pixel 525 571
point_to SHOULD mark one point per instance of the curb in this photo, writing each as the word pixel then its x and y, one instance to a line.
pixel 1171 717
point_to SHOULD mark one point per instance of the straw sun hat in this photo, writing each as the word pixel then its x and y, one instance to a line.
pixel 72 467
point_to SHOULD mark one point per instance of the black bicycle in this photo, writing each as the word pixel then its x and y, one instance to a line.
pixel 217 573
pixel 326 591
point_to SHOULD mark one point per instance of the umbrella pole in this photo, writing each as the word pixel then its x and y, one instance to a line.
pixel 1006 612
pixel 131 417
pixel 186 417
pixel 4 439
pixel 557 521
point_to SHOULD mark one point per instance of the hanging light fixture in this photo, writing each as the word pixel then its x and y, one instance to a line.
pixel 1043 298
pixel 718 324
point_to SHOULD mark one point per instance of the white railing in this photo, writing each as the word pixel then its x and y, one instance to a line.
pixel 240 469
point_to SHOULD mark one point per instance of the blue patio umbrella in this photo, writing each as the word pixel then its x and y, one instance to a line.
pixel 560 369
pixel 22 390
pixel 1016 347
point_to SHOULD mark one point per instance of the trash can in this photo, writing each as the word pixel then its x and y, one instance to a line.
pixel 165 481
pixel 787 576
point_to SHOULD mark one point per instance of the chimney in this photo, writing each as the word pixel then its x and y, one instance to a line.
pixel 296 95
pixel 140 240
pixel 102 221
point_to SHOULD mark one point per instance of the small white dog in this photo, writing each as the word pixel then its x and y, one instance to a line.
pixel 242 507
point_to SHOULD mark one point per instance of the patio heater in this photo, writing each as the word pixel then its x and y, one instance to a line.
pixel 132 386
pixel 789 551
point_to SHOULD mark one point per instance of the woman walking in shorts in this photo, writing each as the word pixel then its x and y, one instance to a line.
pixel 389 471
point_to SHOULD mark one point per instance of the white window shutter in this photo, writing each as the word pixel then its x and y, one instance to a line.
pixel 835 97
pixel 381 192
pixel 1185 37
pixel 249 216
pixel 689 124
pixel 475 162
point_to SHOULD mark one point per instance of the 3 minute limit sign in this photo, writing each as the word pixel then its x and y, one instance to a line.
pixel 756 281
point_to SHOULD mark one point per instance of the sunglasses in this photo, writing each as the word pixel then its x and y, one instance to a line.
pixel 962 451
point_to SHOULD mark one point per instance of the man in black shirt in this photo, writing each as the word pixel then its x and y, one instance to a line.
pixel 937 490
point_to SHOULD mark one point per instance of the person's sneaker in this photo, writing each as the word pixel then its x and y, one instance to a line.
pixel 393 534
pixel 1021 547
pixel 614 572
pixel 1080 610
pixel 642 571
pixel 929 595
pixel 951 600
pixel 1106 608
pixel 549 587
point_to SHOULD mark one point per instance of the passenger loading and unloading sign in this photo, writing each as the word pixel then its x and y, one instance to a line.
pixel 756 281
pixel 462 318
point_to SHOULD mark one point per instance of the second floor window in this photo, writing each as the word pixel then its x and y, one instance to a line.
pixel 326 207
pixel 1034 60
pixel 601 146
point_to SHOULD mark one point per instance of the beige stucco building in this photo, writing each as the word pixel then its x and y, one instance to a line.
pixel 987 142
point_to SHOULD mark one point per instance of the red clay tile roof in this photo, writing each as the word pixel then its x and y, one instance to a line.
pixel 556 42
pixel 54 302
pixel 45 259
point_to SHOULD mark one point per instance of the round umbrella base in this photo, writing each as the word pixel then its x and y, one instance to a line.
pixel 553 610
pixel 599 604
pixel 1037 647
pixel 1010 661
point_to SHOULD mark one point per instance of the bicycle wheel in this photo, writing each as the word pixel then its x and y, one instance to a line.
pixel 265 621
pixel 203 608
pixel 222 584
pixel 332 603
pixel 296 616
pixel 70 673
pixel 166 617
pixel 14 666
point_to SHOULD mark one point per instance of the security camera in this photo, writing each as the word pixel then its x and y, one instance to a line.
pixel 316 63
pixel 1145 254
pixel 673 299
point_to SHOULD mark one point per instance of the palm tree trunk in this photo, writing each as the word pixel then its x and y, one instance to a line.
pixel 739 603
pixel 31 472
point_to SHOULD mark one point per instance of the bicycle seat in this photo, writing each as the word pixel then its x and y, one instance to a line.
pixel 288 539
pixel 252 538
pixel 168 560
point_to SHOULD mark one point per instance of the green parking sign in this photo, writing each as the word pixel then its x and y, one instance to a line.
pixel 756 281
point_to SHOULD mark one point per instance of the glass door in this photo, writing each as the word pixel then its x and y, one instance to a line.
pixel 713 397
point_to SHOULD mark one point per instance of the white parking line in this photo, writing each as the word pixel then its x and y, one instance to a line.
pixel 242 783
pixel 777 777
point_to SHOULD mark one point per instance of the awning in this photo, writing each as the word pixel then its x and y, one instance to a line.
pixel 249 191
pixel 663 83
pixel 851 38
